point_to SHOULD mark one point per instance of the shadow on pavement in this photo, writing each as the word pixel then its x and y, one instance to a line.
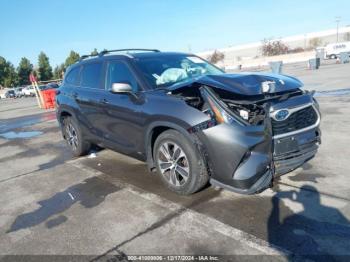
pixel 89 193
pixel 56 149
pixel 23 121
pixel 304 236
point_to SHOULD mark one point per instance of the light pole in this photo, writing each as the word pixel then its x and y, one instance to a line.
pixel 337 20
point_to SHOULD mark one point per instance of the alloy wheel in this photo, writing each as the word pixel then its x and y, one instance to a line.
pixel 72 136
pixel 173 163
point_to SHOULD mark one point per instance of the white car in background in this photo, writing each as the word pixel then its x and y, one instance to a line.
pixel 28 91
pixel 18 92
pixel 3 93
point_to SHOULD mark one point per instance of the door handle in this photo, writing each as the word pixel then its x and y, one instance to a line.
pixel 104 101
pixel 75 95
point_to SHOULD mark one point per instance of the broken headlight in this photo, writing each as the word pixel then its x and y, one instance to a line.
pixel 253 114
pixel 219 110
pixel 244 114
pixel 220 114
pixel 229 112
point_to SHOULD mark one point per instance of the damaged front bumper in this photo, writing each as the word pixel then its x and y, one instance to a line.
pixel 240 158
pixel 245 159
pixel 296 150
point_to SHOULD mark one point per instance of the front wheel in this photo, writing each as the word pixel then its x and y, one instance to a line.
pixel 179 164
pixel 74 137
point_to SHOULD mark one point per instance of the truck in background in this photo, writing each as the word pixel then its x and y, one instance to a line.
pixel 333 50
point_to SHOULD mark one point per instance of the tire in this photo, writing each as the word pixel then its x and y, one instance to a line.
pixel 333 57
pixel 172 164
pixel 74 137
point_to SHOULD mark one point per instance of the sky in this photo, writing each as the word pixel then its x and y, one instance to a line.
pixel 58 26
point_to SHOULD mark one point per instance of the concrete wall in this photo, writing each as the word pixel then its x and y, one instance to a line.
pixel 250 54
pixel 263 61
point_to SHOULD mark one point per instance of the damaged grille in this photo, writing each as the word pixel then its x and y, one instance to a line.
pixel 298 120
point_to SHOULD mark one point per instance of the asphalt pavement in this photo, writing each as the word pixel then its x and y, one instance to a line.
pixel 107 205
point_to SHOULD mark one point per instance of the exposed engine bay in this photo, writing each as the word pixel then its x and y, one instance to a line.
pixel 275 118
pixel 251 109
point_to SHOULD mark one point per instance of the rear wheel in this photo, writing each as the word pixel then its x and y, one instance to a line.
pixel 179 163
pixel 74 138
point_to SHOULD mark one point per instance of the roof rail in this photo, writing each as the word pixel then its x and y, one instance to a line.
pixel 102 53
pixel 86 56
pixel 127 50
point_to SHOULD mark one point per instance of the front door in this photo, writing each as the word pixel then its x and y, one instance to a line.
pixel 123 117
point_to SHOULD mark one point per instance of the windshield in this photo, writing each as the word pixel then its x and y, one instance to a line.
pixel 164 71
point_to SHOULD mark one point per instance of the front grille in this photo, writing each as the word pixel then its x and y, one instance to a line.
pixel 303 118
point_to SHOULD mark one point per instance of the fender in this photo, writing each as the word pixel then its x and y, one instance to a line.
pixel 65 109
pixel 148 141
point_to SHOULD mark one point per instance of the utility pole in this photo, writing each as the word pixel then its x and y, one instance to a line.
pixel 189 48
pixel 337 20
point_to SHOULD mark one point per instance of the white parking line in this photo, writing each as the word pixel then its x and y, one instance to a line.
pixel 227 230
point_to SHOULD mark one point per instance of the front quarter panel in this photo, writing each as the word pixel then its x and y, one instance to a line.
pixel 162 110
pixel 239 155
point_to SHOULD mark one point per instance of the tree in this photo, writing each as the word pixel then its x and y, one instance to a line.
pixel 2 70
pixel 59 71
pixel 94 52
pixel 71 59
pixel 271 48
pixel 23 71
pixel 12 78
pixel 8 75
pixel 44 70
pixel 216 57
pixel 346 36
pixel 315 42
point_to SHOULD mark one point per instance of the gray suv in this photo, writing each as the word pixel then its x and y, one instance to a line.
pixel 191 122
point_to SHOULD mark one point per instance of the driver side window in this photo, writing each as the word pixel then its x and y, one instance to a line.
pixel 119 72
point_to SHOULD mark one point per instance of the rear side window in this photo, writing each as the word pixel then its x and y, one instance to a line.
pixel 119 72
pixel 73 76
pixel 91 75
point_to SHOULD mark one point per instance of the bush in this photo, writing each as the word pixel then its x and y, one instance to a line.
pixel 296 50
pixel 216 57
pixel 272 48
pixel 315 42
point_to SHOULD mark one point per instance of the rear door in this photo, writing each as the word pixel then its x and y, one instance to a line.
pixel 123 120
pixel 89 96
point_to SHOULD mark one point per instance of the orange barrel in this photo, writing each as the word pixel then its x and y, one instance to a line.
pixel 52 95
pixel 46 98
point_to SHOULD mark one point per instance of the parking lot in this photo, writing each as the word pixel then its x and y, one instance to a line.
pixel 106 204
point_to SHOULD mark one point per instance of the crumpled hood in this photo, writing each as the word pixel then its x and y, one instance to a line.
pixel 245 83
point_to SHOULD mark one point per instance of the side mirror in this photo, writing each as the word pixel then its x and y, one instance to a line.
pixel 121 88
